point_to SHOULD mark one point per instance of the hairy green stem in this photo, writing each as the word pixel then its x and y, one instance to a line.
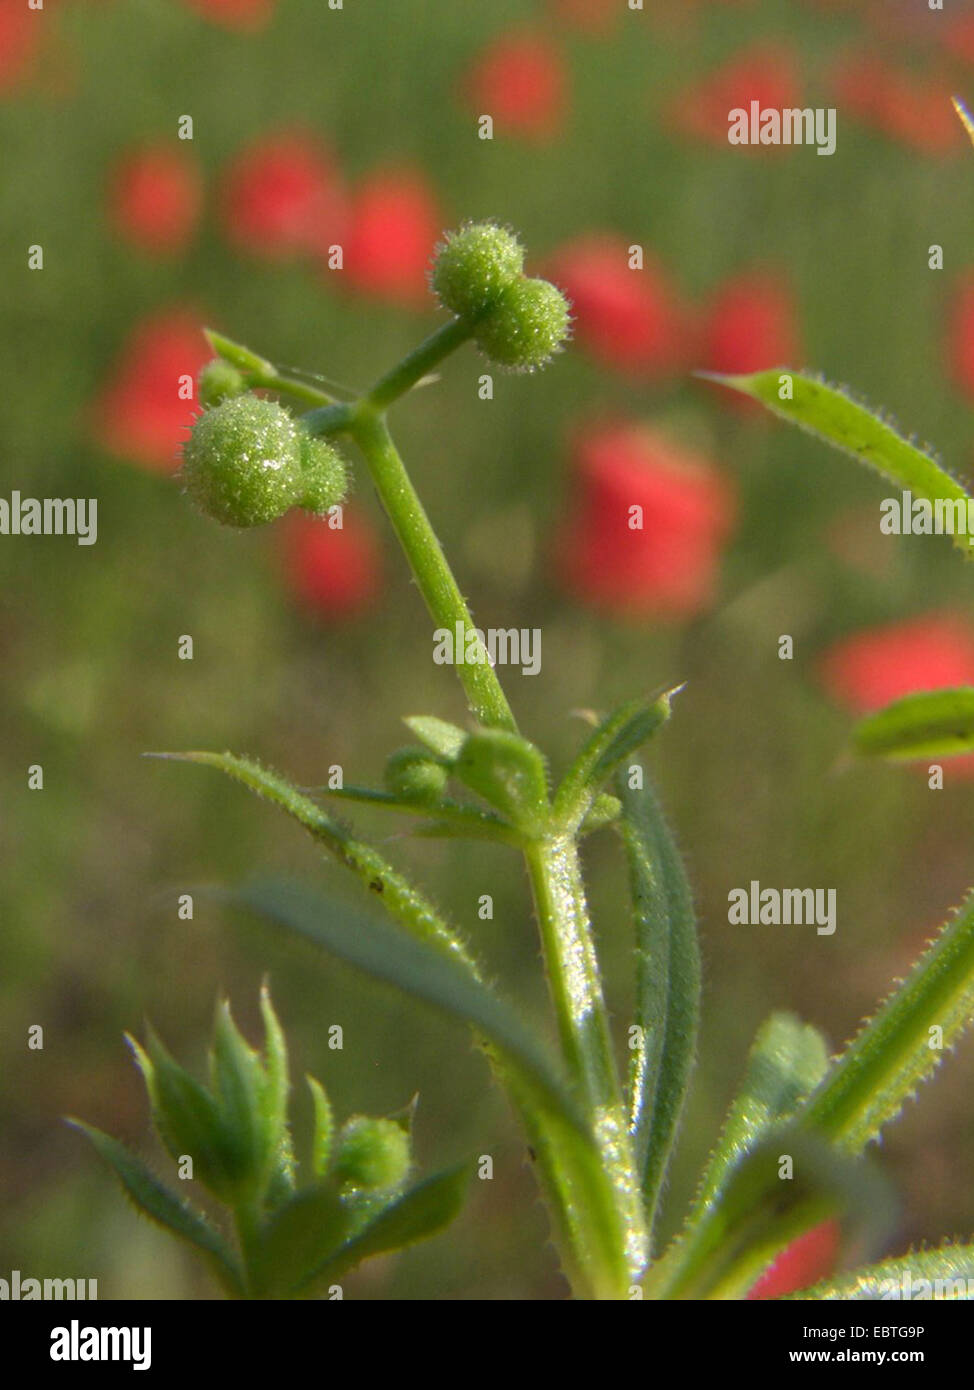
pixel 553 863
pixel 572 968
pixel 419 363
pixel 290 386
pixel 583 1026
pixel 246 1220
pixel 605 1232
pixel 444 600
pixel 330 419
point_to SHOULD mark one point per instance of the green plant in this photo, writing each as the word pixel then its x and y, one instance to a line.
pixel 274 1239
pixel 602 1144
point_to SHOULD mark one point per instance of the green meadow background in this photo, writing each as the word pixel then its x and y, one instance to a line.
pixel 90 944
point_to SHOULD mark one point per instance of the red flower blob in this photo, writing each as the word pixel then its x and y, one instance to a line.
pixel 145 409
pixel 282 197
pixel 766 74
pixel 751 323
pixel 628 319
pixel 334 574
pixel 910 109
pixel 960 336
pixel 648 522
pixel 154 199
pixel 20 34
pixel 874 667
pixel 393 229
pixel 519 81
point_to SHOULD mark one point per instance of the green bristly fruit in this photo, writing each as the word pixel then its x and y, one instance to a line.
pixel 247 462
pixel 413 775
pixel 526 325
pixel 474 266
pixel 373 1155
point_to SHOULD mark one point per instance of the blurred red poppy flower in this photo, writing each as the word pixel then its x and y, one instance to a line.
pixel 282 197
pixel 766 73
pixel 520 81
pixel 871 668
pixel 912 109
pixel 147 405
pixel 394 225
pixel 803 1263
pixel 333 573
pixel 245 15
pixel 628 319
pixel 750 323
pixel 20 33
pixel 960 335
pixel 647 524
pixel 154 198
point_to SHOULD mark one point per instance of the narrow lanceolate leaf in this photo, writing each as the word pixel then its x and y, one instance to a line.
pixel 164 1207
pixel 615 738
pixel 667 986
pixel 189 1120
pixel 569 1159
pixel 417 1215
pixel 902 1045
pixel 928 724
pixel 788 1059
pixel 468 824
pixel 946 1273
pixel 237 1082
pixel 399 898
pixel 452 818
pixel 789 1182
pixel 394 958
pixel 274 1099
pixel 827 411
pixel 277 1082
pixel 324 1130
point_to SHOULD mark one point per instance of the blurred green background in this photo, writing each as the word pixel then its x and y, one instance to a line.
pixel 90 943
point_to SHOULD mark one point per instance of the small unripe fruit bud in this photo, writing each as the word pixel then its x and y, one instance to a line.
pixel 325 476
pixel 248 461
pixel 506 770
pixel 474 265
pixel 528 323
pixel 219 381
pixel 412 775
pixel 372 1154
